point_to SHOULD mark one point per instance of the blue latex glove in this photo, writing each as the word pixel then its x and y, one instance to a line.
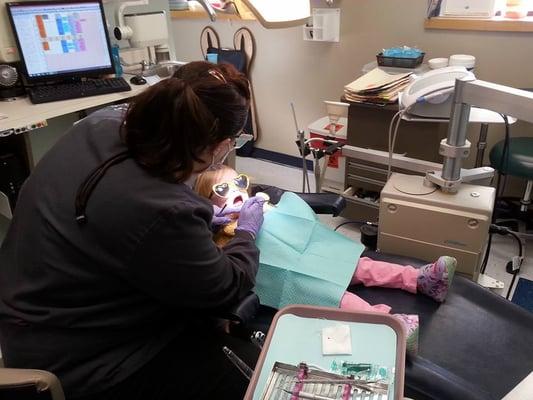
pixel 251 216
pixel 220 215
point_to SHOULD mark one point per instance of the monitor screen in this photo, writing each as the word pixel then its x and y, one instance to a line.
pixel 61 39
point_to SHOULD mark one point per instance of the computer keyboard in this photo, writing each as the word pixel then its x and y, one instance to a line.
pixel 74 90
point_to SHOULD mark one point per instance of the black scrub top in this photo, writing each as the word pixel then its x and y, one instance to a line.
pixel 93 303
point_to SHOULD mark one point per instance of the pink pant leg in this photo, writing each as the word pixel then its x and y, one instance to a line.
pixel 352 302
pixel 384 274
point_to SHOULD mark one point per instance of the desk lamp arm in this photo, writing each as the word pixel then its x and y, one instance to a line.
pixel 499 98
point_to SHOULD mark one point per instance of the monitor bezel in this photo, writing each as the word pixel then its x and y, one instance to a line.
pixel 89 73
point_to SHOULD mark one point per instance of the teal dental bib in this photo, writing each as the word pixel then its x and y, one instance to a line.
pixel 302 261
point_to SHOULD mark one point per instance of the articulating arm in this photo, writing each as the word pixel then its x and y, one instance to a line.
pixel 499 98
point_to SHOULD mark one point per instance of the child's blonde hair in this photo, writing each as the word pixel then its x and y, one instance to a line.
pixel 206 180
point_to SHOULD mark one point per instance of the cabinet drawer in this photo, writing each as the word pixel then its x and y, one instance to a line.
pixel 380 170
pixel 362 182
pixel 359 209
pixel 357 168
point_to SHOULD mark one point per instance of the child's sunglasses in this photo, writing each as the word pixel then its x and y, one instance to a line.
pixel 240 182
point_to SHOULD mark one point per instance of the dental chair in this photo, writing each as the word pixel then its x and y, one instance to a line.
pixel 475 346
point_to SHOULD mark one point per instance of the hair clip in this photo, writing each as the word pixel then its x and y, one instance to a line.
pixel 217 75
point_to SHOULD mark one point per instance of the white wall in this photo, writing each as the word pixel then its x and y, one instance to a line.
pixel 287 68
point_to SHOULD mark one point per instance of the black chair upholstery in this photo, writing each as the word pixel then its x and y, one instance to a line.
pixel 321 203
pixel 482 341
pixel 244 311
pixel 474 346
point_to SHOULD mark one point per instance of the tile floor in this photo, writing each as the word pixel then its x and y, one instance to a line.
pixel 503 248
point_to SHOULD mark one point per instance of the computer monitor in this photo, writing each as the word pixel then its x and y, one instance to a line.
pixel 59 40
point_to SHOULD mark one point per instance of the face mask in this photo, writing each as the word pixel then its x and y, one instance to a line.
pixel 218 164
pixel 212 167
pixel 191 181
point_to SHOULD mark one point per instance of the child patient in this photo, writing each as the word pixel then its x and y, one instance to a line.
pixel 225 188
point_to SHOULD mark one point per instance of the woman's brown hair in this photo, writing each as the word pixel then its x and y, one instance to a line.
pixel 169 125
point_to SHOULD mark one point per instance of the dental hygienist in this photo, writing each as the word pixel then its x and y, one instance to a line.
pixel 109 275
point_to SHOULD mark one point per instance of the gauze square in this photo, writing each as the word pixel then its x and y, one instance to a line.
pixel 336 340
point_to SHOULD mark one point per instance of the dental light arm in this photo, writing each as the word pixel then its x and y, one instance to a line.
pixel 499 98
pixel 209 9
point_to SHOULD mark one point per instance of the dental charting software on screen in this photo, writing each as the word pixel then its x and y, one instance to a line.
pixel 61 38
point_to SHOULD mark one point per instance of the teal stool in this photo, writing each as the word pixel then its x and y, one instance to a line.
pixel 518 163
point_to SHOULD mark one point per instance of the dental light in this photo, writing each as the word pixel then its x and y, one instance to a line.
pixel 271 14
pixel 280 13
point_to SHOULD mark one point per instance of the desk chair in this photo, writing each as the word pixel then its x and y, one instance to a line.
pixel 5 218
pixel 5 209
pixel 29 384
pixel 26 384
pixel 518 162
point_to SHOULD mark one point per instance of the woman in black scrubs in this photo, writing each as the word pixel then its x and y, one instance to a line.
pixel 109 275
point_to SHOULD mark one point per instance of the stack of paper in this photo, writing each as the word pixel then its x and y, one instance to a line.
pixel 377 86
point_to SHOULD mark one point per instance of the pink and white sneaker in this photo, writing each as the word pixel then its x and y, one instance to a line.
pixel 410 321
pixel 434 279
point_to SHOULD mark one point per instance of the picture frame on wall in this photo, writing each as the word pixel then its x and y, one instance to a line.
pixel 468 8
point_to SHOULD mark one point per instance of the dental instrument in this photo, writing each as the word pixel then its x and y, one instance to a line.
pixel 310 396
pixel 328 147
pixel 373 386
pixel 300 141
pixel 239 364
pixel 258 339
